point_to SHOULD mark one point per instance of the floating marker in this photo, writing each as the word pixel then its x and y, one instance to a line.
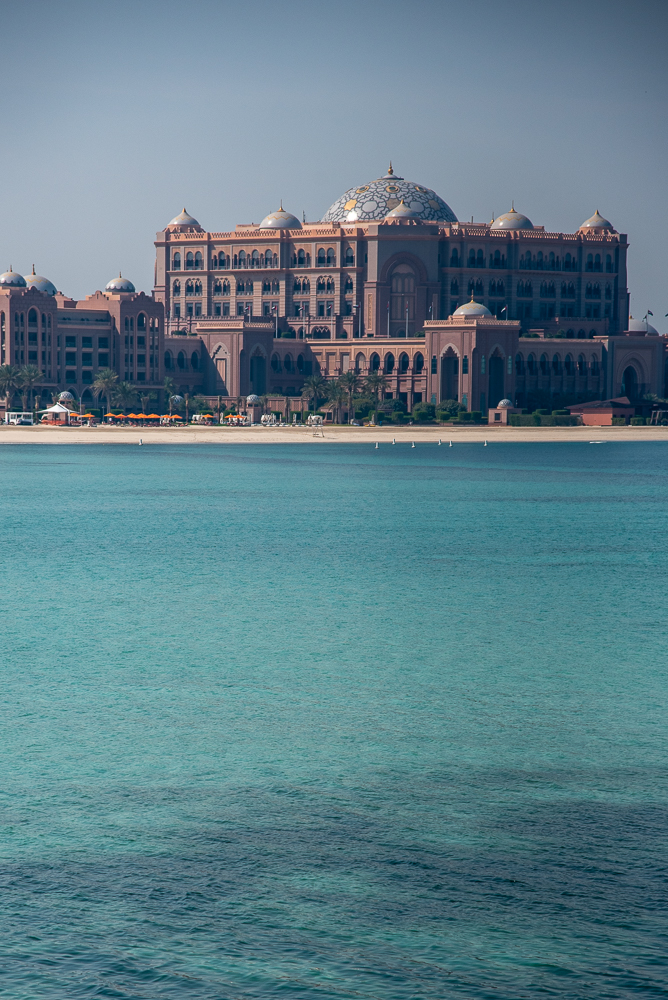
pixel 413 445
pixel 140 440
pixel 394 440
pixel 439 441
pixel 451 444
pixel 376 444
pixel 485 443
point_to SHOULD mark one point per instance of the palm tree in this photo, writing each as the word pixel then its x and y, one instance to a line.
pixel 170 390
pixel 375 383
pixel 29 375
pixel 315 388
pixel 105 384
pixel 337 395
pixel 125 395
pixel 350 381
pixel 10 381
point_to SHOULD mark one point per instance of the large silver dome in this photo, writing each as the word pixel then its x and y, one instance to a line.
pixel 372 202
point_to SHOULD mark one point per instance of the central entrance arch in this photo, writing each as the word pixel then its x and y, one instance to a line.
pixel 450 375
pixel 630 383
pixel 496 392
pixel 258 374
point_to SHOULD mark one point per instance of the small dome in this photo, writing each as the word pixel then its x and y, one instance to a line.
pixel 119 284
pixel 185 220
pixel 39 283
pixel 280 220
pixel 176 399
pixel 597 222
pixel 505 404
pixel 252 399
pixel 65 397
pixel 512 220
pixel 473 309
pixel 403 211
pixel 642 326
pixel 11 279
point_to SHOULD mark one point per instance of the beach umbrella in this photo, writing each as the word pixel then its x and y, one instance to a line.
pixel 177 417
pixel 153 416
pixel 114 415
pixel 141 416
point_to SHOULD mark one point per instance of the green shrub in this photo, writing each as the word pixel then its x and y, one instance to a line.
pixel 424 412
pixel 476 416
pixel 619 421
pixel 543 413
pixel 561 413
pixel 397 417
pixel 638 421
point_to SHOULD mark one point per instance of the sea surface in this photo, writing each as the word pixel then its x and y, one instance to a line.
pixel 325 722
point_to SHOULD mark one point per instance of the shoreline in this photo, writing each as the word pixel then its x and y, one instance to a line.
pixel 103 434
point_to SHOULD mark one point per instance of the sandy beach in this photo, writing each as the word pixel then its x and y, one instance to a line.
pixel 330 435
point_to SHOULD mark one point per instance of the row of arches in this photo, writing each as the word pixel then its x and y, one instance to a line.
pixel 568 366
pixel 182 362
pixel 287 363
pixel 389 363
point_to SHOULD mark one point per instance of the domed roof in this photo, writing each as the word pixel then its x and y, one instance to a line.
pixel 597 222
pixel 472 309
pixel 12 279
pixel 39 283
pixel 65 397
pixel 252 399
pixel 512 220
pixel 119 284
pixel 505 404
pixel 183 219
pixel 280 220
pixel 372 202
pixel 403 211
pixel 642 326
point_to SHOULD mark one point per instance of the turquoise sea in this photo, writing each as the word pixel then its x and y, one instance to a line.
pixel 325 722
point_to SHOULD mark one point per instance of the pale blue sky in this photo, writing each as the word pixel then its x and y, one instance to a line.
pixel 116 115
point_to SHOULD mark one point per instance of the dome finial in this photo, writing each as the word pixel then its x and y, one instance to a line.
pixel 390 169
pixel 512 205
pixel 33 269
pixel 281 208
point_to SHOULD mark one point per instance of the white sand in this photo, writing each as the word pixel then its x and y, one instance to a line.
pixel 272 435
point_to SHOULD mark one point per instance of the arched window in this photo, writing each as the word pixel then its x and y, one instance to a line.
pixel 255 259
pixel 322 258
pixel 198 261
pixel 198 288
pixel 375 362
pixel 608 290
pixel 594 365
pixel 194 361
pixel 454 287
pixel 418 362
pixel 349 285
pixel 582 365
pixel 590 262
pixel 330 286
pixel 190 261
pixel 169 360
pixel 471 261
pixel 519 364
pixel 581 335
pixel 297 286
pixel 544 364
pixel 287 362
pixel 608 263
pixel 350 257
pixel 217 288
pixel 592 333
pixel 454 259
pixel 479 290
pixel 480 259
pixel 268 259
pixel 176 261
pixel 531 364
pixel 551 261
pixel 501 288
pixel 597 262
pixel 331 258
pixel 389 363
pixel 492 288
pixel 320 285
pixel 300 362
pixel 214 262
pixel 306 286
pixel 181 360
pixel 471 287
pixel 403 362
pixel 567 262
pixel 275 363
pixel 589 289
pixel 32 317
pixel 226 288
pixel 568 364
pixel 556 364
pixel 190 288
pixel 596 293
pixel 301 258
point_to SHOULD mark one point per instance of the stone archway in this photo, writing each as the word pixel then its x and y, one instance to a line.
pixel 630 383
pixel 496 380
pixel 450 375
pixel 258 374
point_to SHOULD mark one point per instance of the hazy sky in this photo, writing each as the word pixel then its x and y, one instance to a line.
pixel 116 115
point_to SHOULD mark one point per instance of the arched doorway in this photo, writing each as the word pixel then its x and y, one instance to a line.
pixel 258 374
pixel 449 375
pixel 496 391
pixel 402 301
pixel 630 383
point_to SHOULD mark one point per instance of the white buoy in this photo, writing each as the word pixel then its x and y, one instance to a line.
pixel 451 444
pixel 140 441
pixel 413 445
pixel 376 444
pixel 394 440
pixel 485 443
pixel 439 441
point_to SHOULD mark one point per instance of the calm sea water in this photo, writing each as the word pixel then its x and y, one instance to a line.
pixel 329 722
